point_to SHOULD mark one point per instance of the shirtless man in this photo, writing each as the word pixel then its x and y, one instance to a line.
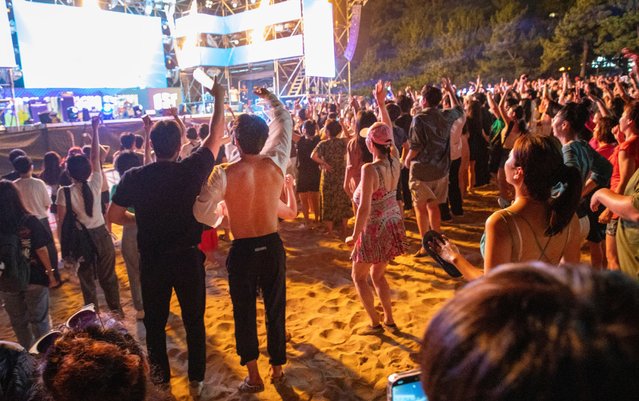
pixel 251 188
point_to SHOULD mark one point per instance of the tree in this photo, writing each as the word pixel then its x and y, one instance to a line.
pixel 514 42
pixel 578 37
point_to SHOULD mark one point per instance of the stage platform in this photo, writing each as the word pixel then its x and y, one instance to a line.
pixel 39 139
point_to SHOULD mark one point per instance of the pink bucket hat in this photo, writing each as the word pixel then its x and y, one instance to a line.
pixel 378 133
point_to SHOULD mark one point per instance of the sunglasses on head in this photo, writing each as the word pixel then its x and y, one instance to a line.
pixel 85 317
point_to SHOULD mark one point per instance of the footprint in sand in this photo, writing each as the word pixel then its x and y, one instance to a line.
pixel 223 327
pixel 328 309
pixel 339 325
pixel 433 301
pixel 319 321
pixel 334 337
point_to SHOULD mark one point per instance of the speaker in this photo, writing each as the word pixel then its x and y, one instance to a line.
pixel 36 108
pixel 65 102
pixel 45 117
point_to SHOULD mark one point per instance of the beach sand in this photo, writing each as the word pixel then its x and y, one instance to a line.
pixel 328 358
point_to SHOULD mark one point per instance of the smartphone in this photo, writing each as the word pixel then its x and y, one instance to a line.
pixel 405 386
pixel 203 78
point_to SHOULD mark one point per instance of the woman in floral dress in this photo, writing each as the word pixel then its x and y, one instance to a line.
pixel 330 154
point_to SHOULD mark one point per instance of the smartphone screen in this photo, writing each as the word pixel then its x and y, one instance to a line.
pixel 408 389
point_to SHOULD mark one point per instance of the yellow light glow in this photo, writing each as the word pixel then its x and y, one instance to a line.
pixel 258 35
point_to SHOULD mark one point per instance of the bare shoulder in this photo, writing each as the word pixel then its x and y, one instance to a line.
pixel 497 222
pixel 368 168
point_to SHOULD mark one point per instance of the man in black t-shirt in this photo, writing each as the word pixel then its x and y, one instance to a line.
pixel 404 121
pixel 162 194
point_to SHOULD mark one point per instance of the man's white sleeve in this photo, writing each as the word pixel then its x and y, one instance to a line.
pixel 278 144
pixel 211 194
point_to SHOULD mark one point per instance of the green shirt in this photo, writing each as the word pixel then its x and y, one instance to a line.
pixel 628 233
pixel 113 188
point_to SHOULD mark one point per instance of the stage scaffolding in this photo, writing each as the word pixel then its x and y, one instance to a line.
pixel 289 75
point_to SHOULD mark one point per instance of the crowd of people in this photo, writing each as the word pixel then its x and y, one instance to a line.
pixel 563 154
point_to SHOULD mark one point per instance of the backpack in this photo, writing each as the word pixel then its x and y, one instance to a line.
pixel 75 243
pixel 15 268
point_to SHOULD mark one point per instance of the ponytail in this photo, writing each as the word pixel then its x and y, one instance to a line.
pixel 564 203
pixel 79 169
pixel 87 197
pixel 385 149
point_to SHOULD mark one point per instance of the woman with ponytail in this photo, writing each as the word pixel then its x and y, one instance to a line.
pixel 378 235
pixel 541 223
pixel 85 205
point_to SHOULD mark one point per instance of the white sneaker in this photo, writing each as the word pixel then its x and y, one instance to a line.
pixel 139 315
pixel 195 388
pixel 199 391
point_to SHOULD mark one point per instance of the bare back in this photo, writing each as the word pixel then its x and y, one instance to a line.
pixel 254 185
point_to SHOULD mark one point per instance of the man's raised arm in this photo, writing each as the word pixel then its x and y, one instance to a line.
pixel 214 139
pixel 278 144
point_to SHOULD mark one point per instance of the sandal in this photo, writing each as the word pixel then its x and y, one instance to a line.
pixel 246 387
pixel 428 241
pixel 392 326
pixel 372 330
pixel 278 380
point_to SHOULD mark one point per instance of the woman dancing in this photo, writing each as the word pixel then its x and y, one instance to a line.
pixel 378 235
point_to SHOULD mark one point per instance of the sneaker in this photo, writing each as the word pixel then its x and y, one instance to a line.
pixel 503 203
pixel 195 388
pixel 139 315
pixel 246 387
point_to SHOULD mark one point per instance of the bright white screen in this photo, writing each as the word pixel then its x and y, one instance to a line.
pixel 319 48
pixel 73 47
pixel 7 57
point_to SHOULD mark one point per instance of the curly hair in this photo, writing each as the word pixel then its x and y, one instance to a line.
pixel 96 364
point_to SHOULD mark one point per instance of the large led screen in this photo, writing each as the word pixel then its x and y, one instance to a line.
pixel 319 48
pixel 74 47
pixel 7 57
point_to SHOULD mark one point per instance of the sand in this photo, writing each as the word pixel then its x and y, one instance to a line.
pixel 327 358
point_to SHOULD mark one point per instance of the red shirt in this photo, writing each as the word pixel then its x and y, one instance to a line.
pixel 604 149
pixel 631 147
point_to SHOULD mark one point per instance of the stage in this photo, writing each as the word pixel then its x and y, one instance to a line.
pixel 39 139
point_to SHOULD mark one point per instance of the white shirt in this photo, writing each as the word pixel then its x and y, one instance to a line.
pixel 187 148
pixel 77 202
pixel 34 196
pixel 276 148
pixel 456 137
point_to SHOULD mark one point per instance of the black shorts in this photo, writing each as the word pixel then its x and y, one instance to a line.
pixel 307 182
